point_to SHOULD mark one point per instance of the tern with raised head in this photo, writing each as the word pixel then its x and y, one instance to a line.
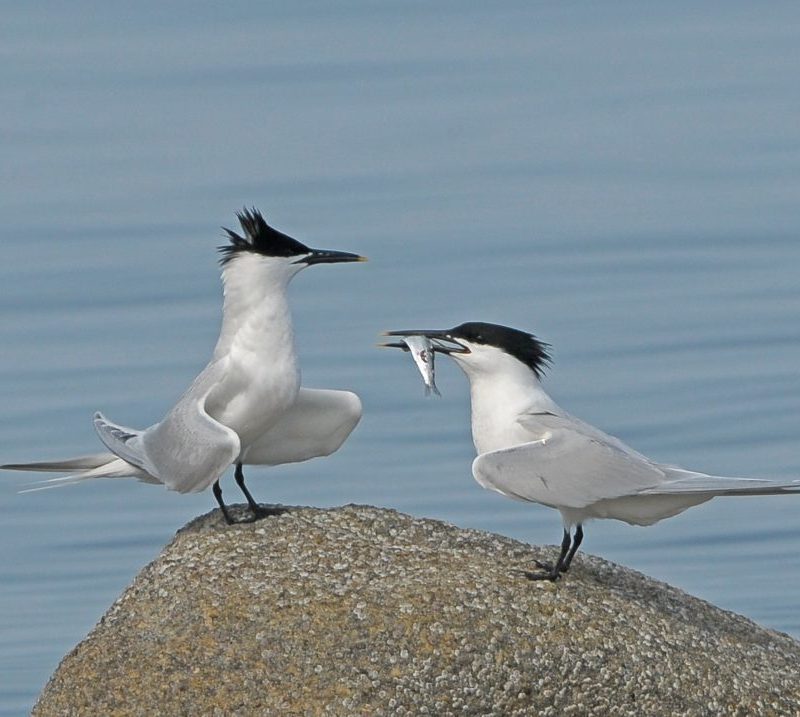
pixel 530 449
pixel 247 406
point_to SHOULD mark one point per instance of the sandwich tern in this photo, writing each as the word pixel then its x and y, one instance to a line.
pixel 530 449
pixel 247 406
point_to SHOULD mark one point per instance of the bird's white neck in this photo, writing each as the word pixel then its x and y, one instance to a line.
pixel 499 397
pixel 255 313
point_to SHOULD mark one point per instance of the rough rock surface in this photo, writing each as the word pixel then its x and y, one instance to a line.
pixel 362 611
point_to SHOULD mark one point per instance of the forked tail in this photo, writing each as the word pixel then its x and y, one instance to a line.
pixel 684 482
pixel 98 465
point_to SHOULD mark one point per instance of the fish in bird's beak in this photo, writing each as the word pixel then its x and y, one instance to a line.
pixel 421 348
pixel 441 340
pixel 328 256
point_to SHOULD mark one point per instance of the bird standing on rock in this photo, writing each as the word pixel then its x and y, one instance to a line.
pixel 247 406
pixel 530 449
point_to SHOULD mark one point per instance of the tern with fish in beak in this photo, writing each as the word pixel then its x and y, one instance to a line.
pixel 530 449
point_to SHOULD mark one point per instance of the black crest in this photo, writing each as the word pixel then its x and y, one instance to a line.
pixel 523 346
pixel 260 238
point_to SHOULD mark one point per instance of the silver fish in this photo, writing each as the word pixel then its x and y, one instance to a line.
pixel 421 349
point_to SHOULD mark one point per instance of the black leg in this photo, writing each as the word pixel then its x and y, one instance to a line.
pixel 218 495
pixel 576 542
pixel 238 474
pixel 569 546
pixel 553 572
pixel 549 567
pixel 255 508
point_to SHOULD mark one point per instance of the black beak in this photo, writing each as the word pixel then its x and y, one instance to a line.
pixel 442 341
pixel 325 256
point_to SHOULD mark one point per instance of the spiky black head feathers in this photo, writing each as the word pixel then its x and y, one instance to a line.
pixel 523 346
pixel 260 238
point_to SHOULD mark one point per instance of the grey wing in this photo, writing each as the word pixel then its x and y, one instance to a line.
pixel 566 468
pixel 186 452
pixel 124 442
pixel 189 450
pixel 683 482
pixel 316 425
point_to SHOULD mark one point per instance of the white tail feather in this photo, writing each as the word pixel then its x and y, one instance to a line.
pixel 110 467
pixel 51 483
pixel 68 465
pixel 684 482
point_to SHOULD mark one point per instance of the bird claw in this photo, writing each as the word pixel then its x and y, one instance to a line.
pixel 550 571
pixel 230 520
pixel 260 511
pixel 550 575
pixel 254 514
pixel 529 575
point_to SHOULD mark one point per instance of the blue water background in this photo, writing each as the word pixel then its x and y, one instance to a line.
pixel 622 179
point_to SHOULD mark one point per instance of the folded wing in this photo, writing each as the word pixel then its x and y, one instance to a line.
pixel 565 468
pixel 682 482
pixel 187 451
pixel 585 473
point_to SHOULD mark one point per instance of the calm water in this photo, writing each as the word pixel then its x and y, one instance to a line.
pixel 622 181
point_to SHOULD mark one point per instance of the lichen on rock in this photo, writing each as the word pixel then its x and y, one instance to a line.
pixel 365 611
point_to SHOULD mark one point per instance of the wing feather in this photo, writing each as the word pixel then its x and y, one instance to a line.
pixel 316 425
pixel 565 469
pixel 122 441
pixel 683 482
pixel 189 450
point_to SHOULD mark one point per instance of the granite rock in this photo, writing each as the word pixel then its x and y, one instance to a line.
pixel 364 611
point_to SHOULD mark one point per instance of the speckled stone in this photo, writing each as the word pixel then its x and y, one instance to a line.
pixel 364 611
